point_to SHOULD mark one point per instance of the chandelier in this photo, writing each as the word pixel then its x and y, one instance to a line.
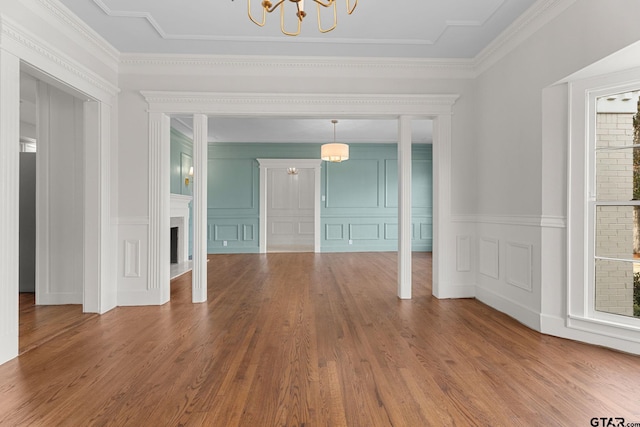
pixel 335 151
pixel 268 7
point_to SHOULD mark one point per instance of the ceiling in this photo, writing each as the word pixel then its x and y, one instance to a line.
pixel 377 28
pixel 419 29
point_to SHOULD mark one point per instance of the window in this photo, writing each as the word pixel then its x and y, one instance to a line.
pixel 603 228
pixel 615 205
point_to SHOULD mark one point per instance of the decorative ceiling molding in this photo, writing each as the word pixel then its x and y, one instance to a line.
pixel 30 48
pixel 299 104
pixel 376 67
pixel 155 24
pixel 537 16
pixel 81 32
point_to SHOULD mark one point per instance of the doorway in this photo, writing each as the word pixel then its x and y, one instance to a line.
pixel 51 211
pixel 289 205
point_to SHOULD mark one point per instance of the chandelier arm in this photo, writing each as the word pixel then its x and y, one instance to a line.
pixel 274 6
pixel 351 9
pixel 264 15
pixel 335 19
pixel 285 32
pixel 327 4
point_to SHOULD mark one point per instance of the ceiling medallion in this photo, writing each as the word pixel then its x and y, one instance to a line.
pixel 268 7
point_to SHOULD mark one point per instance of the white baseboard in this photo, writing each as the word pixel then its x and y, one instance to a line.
pixel 557 326
pixel 59 298
pixel 455 291
pixel 522 314
pixel 139 298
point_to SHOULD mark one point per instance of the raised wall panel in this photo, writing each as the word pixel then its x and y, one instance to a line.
pixel 488 257
pixel 226 232
pixel 247 232
pixel 463 253
pixel 334 231
pixel 362 190
pixel 425 230
pixel 305 227
pixel 364 231
pixel 391 231
pixel 132 258
pixel 286 228
pixel 518 265
pixel 231 183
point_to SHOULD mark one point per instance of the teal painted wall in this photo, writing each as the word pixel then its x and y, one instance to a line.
pixel 360 196
pixel 181 159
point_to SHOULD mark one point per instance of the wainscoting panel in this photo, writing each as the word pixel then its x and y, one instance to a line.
pixel 364 231
pixel 334 232
pixel 518 265
pixel 463 253
pixel 489 257
pixel 226 232
pixel 360 196
pixel 240 234
pixel 132 258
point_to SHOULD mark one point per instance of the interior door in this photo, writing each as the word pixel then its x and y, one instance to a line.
pixel 290 205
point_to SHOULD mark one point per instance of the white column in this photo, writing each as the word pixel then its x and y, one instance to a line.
pixel 159 285
pixel 100 292
pixel 443 236
pixel 262 237
pixel 200 160
pixel 9 207
pixel 404 208
pixel 317 232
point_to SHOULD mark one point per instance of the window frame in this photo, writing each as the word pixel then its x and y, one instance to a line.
pixel 582 205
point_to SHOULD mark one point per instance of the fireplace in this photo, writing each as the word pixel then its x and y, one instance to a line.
pixel 174 245
pixel 179 228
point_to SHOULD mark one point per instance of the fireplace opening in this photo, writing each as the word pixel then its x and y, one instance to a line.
pixel 174 245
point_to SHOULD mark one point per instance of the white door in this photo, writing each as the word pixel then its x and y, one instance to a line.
pixel 290 210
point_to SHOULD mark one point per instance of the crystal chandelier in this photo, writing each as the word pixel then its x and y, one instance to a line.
pixel 268 7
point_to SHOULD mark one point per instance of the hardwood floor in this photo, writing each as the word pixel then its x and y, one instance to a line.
pixel 313 340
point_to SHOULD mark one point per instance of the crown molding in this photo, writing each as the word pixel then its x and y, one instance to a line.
pixel 32 49
pixel 80 32
pixel 537 16
pixel 299 104
pixel 225 64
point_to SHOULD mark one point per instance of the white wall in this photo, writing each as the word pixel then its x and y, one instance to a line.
pixel 522 146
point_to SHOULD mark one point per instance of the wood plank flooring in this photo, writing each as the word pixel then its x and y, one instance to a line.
pixel 313 340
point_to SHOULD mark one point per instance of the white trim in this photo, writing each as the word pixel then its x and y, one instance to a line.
pixel 158 268
pixel 537 16
pixel 300 104
pixel 79 31
pixel 10 206
pixel 43 56
pixel 405 226
pixel 132 220
pixel 187 64
pixel 376 106
pixel 265 165
pixel 543 221
pixel 521 313
pixel 200 182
